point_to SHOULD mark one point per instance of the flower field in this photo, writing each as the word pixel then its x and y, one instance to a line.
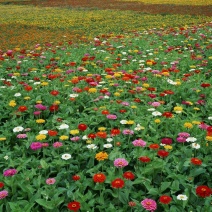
pixel 98 115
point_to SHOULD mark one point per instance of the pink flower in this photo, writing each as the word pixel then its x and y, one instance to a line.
pixel 57 144
pixel 45 144
pixel 183 134
pixel 149 205
pixel 155 104
pixel 127 132
pixel 3 194
pixel 50 181
pixel 22 136
pixel 36 145
pixel 76 138
pixel 111 116
pixel 181 139
pixel 203 126
pixel 40 107
pixel 120 162
pixel 139 142
pixel 9 172
pixel 37 113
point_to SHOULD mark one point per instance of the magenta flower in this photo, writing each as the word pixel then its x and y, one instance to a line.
pixel 120 162
pixel 36 145
pixel 203 126
pixel 50 181
pixel 183 134
pixel 139 142
pixel 37 113
pixel 57 144
pixel 10 172
pixel 181 139
pixel 149 205
pixel 111 116
pixel 40 107
pixel 3 194
pixel 127 132
pixel 21 136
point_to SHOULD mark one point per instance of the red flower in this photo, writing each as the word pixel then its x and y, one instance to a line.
pixel 101 134
pixel 115 132
pixel 204 85
pixel 129 175
pixel 166 141
pixel 163 153
pixel 75 177
pixel 82 127
pixel 165 199
pixel 22 108
pixel 91 135
pixel 132 204
pixel 137 100
pixel 167 114
pixel 73 206
pixel 196 161
pixel 1 184
pixel 105 112
pixel 27 88
pixel 168 92
pixel 52 132
pixel 209 129
pixel 122 111
pixel 203 191
pixel 54 93
pixel 154 146
pixel 99 178
pixel 117 183
pixel 53 108
pixel 144 159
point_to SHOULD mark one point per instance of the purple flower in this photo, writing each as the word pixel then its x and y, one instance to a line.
pixel 36 145
pixel 139 142
pixel 9 172
pixel 127 132
pixel 57 144
pixel 120 162
pixel 3 194
pixel 111 116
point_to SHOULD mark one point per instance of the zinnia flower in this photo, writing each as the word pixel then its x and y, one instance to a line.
pixel 144 159
pixel 3 194
pixel 73 206
pixel 99 178
pixel 129 175
pixel 117 183
pixel 101 156
pixel 139 142
pixel 120 162
pixel 50 181
pixel 66 156
pixel 163 153
pixel 36 145
pixel 9 172
pixel 75 177
pixel 182 197
pixel 165 199
pixel 149 204
pixel 203 191
pixel 196 161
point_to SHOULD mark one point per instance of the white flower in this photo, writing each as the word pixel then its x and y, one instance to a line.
pixel 182 197
pixel 43 132
pixel 138 127
pixel 107 145
pixel 151 109
pixel 66 156
pixel 123 121
pixel 191 139
pixel 85 137
pixel 63 126
pixel 17 94
pixel 156 113
pixel 106 97
pixel 18 129
pixel 91 146
pixel 195 145
pixel 210 117
pixel 109 139
pixel 6 157
pixel 73 95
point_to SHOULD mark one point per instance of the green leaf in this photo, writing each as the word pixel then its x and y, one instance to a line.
pixel 44 164
pixel 123 197
pixel 14 206
pixel 153 191
pixel 164 186
pixel 197 171
pixel 45 204
pixel 175 186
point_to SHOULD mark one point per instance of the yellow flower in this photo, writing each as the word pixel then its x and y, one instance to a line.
pixel 27 98
pixel 208 138
pixel 40 121
pixel 157 121
pixel 89 75
pixel 130 122
pixel 56 102
pixel 117 75
pixel 149 63
pixel 146 85
pixel 16 74
pixel 63 137
pixel 40 137
pixel 210 58
pixel 102 128
pixel 108 77
pixel 196 108
pixel 44 83
pixel 101 156
pixel 58 70
pixel 168 147
pixel 192 66
pixel 133 107
pixel 188 125
pixel 198 91
pixel 117 94
pixel 196 122
pixel 89 141
pixel 12 103
pixel 3 139
pixel 92 90
pixel 74 132
pixel 178 109
pixel 38 102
